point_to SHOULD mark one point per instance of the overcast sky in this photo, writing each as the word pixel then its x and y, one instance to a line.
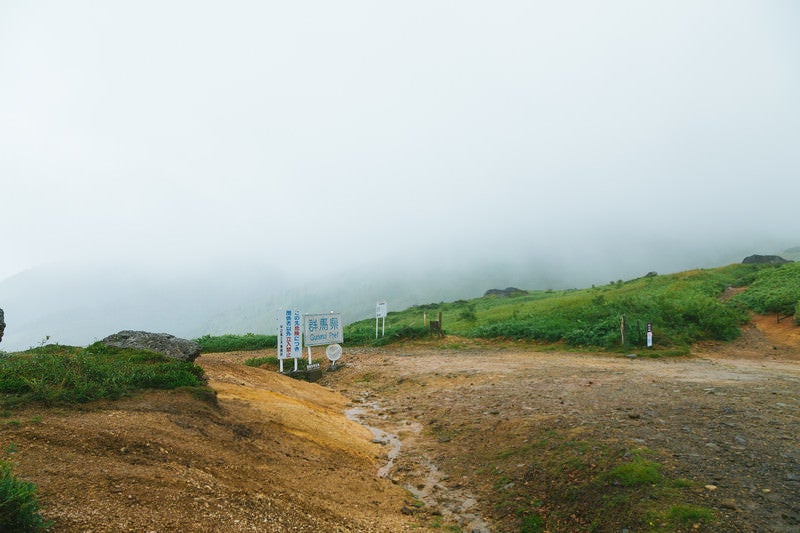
pixel 336 133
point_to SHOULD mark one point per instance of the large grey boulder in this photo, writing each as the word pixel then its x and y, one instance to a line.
pixel 2 325
pixel 764 260
pixel 164 343
pixel 508 292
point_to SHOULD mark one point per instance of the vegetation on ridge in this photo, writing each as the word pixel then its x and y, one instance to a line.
pixel 683 308
pixel 236 343
pixel 61 375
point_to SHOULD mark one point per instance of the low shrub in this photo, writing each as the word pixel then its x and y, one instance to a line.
pixel 361 334
pixel 19 508
pixel 775 290
pixel 302 362
pixel 236 343
pixel 64 375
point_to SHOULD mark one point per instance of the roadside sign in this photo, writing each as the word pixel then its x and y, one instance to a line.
pixel 290 340
pixel 325 328
pixel 380 313
pixel 333 352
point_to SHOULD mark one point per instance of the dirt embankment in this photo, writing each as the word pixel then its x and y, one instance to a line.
pixel 275 455
pixel 457 425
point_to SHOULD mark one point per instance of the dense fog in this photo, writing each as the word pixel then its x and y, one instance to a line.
pixel 188 166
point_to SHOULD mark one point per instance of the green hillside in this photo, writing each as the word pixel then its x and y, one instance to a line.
pixel 683 308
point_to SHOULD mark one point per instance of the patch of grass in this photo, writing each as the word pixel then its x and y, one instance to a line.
pixel 62 375
pixel 259 361
pixel 288 364
pixel 19 508
pixel 236 343
pixel 683 515
pixel 363 333
pixel 680 517
pixel 636 472
pixel 532 523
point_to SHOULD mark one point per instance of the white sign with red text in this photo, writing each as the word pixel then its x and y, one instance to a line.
pixel 290 334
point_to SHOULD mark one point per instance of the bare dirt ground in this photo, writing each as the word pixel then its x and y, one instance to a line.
pixel 446 430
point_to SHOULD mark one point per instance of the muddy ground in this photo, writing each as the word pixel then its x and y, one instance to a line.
pixel 448 438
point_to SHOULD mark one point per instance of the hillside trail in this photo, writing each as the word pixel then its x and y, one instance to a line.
pixel 277 454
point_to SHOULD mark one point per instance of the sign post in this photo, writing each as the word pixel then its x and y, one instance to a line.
pixel 649 334
pixel 380 312
pixel 324 328
pixel 290 339
pixel 333 353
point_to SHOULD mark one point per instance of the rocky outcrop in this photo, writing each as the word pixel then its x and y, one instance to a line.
pixel 2 324
pixel 164 343
pixel 764 260
pixel 505 293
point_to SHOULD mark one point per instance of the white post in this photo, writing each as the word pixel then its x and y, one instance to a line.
pixel 383 327
pixel 376 326
pixel 281 364
pixel 309 354
pixel 295 363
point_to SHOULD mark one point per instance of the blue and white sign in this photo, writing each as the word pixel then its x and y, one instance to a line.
pixel 324 329
pixel 290 340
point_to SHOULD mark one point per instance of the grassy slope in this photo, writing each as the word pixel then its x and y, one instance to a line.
pixel 684 307
pixel 65 375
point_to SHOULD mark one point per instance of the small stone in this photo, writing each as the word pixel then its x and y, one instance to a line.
pixel 711 487
pixel 729 504
pixel 632 355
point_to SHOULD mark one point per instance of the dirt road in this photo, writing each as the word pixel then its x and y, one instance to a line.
pixel 452 435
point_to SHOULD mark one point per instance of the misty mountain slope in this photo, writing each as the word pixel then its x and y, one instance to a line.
pixel 78 306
